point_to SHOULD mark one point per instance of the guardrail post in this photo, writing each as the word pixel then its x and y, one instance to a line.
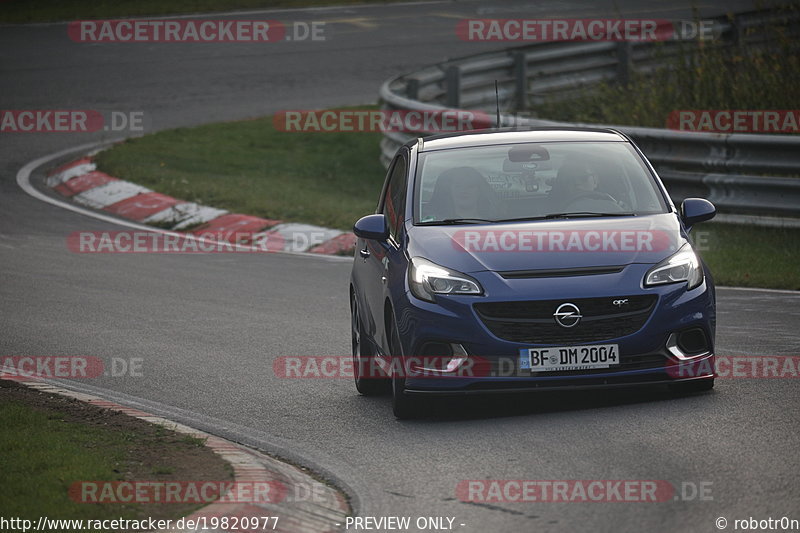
pixel 737 36
pixel 624 61
pixel 453 81
pixel 521 79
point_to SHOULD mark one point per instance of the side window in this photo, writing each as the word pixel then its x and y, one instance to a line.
pixel 394 203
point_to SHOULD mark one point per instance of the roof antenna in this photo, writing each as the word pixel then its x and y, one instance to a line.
pixel 497 101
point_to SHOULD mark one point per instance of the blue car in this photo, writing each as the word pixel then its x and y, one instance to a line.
pixel 551 258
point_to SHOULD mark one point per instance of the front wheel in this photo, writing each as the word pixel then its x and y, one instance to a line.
pixel 404 405
pixel 368 385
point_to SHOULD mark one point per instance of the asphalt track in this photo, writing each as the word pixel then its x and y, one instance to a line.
pixel 208 327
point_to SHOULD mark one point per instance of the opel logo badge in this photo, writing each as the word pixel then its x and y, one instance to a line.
pixel 567 315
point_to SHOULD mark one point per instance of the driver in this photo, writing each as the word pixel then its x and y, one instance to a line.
pixel 585 181
pixel 576 180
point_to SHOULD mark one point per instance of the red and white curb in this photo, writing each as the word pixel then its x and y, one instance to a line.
pixel 81 182
pixel 310 506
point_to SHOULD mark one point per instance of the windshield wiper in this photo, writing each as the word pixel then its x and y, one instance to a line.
pixel 580 214
pixel 448 221
pixel 576 214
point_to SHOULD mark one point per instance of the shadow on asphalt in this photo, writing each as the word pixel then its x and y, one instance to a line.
pixel 490 406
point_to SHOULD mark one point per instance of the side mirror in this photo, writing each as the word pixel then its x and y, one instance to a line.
pixel 696 210
pixel 372 227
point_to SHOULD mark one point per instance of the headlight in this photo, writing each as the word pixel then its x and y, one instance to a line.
pixel 681 266
pixel 426 278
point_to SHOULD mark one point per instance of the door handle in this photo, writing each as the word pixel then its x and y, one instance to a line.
pixel 364 253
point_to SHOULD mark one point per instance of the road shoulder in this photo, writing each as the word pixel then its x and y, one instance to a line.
pixel 302 503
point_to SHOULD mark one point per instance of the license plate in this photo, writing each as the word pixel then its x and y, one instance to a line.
pixel 561 358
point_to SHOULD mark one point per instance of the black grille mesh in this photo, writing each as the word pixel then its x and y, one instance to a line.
pixel 532 322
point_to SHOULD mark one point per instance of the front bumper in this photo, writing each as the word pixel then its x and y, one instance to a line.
pixel 646 356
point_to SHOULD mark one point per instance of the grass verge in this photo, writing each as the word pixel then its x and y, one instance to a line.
pixel 24 11
pixel 750 256
pixel 49 442
pixel 327 179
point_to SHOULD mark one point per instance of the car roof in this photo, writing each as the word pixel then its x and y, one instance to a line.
pixel 512 136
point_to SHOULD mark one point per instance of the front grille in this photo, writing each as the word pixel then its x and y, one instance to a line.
pixel 532 322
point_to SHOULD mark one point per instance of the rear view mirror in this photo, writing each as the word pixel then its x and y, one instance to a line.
pixel 372 227
pixel 528 154
pixel 696 210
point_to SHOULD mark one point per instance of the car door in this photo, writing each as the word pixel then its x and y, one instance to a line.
pixel 377 258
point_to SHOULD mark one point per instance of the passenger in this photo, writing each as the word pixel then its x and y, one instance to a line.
pixel 462 193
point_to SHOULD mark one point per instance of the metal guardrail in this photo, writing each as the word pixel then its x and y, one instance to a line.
pixel 743 174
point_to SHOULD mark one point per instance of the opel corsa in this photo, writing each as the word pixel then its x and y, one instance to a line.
pixel 528 260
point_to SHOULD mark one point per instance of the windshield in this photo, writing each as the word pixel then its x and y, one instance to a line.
pixel 532 181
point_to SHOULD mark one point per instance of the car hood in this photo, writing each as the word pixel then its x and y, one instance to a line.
pixel 550 244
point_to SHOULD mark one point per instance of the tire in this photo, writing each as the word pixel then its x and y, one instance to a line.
pixel 368 386
pixel 690 387
pixel 404 406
